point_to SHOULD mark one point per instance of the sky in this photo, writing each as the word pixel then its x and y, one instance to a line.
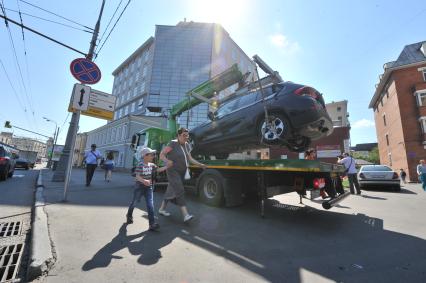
pixel 338 47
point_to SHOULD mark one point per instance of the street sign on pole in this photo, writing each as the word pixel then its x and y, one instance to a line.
pixel 99 104
pixel 85 71
pixel 102 100
pixel 80 97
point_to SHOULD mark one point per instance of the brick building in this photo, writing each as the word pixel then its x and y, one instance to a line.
pixel 399 105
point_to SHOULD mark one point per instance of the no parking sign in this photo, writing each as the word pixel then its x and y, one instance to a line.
pixel 85 71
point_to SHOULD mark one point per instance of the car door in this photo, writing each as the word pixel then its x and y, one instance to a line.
pixel 222 124
pixel 240 122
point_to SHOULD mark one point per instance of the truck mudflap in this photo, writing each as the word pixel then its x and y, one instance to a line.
pixel 327 204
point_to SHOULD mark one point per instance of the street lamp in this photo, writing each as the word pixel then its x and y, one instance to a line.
pixel 55 139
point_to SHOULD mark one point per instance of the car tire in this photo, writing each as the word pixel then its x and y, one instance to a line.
pixel 211 188
pixel 277 133
pixel 3 174
pixel 10 175
pixel 397 189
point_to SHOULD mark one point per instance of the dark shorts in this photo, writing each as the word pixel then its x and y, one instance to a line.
pixel 108 166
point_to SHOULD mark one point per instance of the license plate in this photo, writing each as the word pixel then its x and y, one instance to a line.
pixel 378 176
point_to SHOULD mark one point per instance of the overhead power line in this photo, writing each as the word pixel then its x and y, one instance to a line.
pixel 47 20
pixel 43 35
pixel 119 17
pixel 47 11
pixel 110 20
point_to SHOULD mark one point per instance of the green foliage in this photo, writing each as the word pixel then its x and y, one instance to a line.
pixel 372 157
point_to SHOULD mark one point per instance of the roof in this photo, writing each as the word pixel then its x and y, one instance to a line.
pixel 410 55
pixel 364 146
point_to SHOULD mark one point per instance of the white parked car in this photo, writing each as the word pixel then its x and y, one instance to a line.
pixel 378 176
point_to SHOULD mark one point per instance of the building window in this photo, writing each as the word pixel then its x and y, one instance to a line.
pixel 339 109
pixel 339 118
pixel 424 75
pixel 390 158
pixel 143 86
pixel 126 110
pixel 381 101
pixel 387 94
pixel 384 119
pixel 133 107
pixel 422 121
pixel 421 98
pixel 124 132
pixel 387 139
pixel 140 104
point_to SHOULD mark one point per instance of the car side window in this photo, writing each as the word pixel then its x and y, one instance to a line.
pixel 247 99
pixel 227 108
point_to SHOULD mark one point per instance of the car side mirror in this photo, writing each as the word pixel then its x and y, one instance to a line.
pixel 211 116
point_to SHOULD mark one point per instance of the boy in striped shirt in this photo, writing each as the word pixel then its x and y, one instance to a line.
pixel 144 179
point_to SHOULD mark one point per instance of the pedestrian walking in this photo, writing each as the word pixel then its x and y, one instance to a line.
pixel 351 172
pixel 145 172
pixel 91 159
pixel 109 166
pixel 403 175
pixel 176 155
pixel 421 171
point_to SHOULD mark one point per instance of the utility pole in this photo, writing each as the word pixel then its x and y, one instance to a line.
pixel 63 170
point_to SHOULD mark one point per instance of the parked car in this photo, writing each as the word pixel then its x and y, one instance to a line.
pixel 296 116
pixel 370 176
pixel 23 163
pixel 8 155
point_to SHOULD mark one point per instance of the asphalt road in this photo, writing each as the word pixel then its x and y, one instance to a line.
pixel 16 201
pixel 377 237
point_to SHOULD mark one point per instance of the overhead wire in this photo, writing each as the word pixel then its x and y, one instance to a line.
pixel 62 17
pixel 51 21
pixel 110 20
pixel 118 19
pixel 31 101
pixel 17 65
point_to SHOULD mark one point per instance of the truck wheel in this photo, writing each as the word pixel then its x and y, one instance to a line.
pixel 210 188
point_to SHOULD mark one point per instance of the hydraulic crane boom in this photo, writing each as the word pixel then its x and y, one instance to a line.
pixel 203 92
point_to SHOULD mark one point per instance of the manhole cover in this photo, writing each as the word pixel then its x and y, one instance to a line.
pixel 10 229
pixel 10 258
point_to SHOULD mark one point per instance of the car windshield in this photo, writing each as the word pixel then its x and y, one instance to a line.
pixel 376 168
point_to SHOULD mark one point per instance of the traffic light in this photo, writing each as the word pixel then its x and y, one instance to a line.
pixel 7 124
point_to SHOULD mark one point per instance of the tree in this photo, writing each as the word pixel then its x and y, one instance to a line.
pixel 373 156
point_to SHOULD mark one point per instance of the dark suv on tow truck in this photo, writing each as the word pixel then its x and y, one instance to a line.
pixel 296 116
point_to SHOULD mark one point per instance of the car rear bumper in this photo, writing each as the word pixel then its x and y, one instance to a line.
pixel 318 129
pixel 22 165
pixel 378 183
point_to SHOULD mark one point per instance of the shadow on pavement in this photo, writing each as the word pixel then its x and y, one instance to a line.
pixel 340 247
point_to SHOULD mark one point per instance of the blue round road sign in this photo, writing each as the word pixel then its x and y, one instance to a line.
pixel 85 71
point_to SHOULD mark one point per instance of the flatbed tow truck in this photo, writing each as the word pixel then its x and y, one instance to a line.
pixel 228 182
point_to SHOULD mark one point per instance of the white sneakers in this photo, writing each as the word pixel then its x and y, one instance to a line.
pixel 188 217
pixel 163 212
pixel 185 219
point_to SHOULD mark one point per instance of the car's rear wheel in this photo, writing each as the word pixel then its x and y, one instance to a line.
pixel 275 130
pixel 397 188
pixel 10 175
pixel 3 174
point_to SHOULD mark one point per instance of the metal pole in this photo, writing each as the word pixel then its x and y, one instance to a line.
pixel 69 166
pixel 55 141
pixel 63 172
pixel 49 163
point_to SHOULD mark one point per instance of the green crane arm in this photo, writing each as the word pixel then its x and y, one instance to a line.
pixel 207 90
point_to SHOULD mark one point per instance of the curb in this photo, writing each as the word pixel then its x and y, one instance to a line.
pixel 41 256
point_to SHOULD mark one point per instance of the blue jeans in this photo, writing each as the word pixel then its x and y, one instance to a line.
pixel 147 192
pixel 423 180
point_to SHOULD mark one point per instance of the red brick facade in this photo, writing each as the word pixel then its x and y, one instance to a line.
pixel 399 133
